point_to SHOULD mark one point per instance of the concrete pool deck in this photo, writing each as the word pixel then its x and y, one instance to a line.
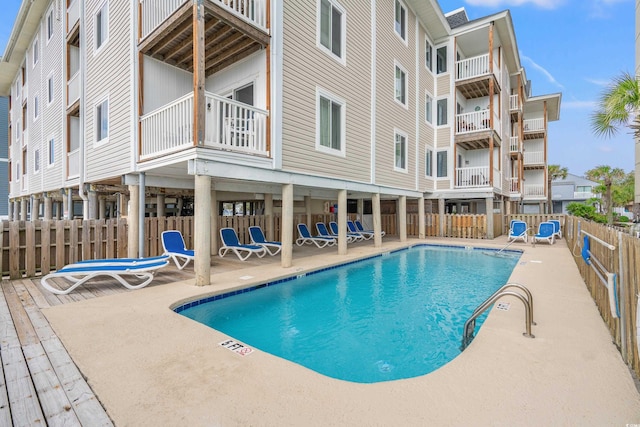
pixel 152 367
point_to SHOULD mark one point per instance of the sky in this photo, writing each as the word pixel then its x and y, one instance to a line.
pixel 575 47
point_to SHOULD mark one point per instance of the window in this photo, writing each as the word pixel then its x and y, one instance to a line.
pixel 401 85
pixel 36 107
pixel 36 161
pixel 428 55
pixel 429 109
pixel 441 60
pixel 401 151
pixel 50 25
pixel 332 24
pixel 51 151
pixel 50 89
pixel 102 25
pixel 441 167
pixel 429 163
pixel 442 111
pixel 401 20
pixel 331 117
pixel 35 52
pixel 102 121
pixel 24 161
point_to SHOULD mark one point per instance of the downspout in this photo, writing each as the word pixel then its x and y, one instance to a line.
pixel 135 128
pixel 83 80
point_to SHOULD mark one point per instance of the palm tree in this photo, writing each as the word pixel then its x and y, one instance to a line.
pixel 607 176
pixel 554 172
pixel 617 107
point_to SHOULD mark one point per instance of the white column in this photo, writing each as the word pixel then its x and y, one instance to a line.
pixel 202 229
pixel 377 220
pixel 48 207
pixel 24 205
pixel 342 222
pixel 214 220
pixel 286 257
pixel 35 208
pixel 268 216
pixel 441 217
pixel 132 221
pixel 307 208
pixel 402 218
pixel 421 222
pixel 93 204
pixel 11 208
pixel 102 207
pixel 489 209
pixel 160 211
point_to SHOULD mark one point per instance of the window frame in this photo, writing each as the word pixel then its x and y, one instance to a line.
pixel 428 162
pixel 35 53
pixel 405 85
pixel 51 151
pixel 333 99
pixel 428 55
pixel 36 107
pixel 342 58
pixel 446 112
pixel 36 161
pixel 438 62
pixel 102 16
pixel 405 155
pixel 403 30
pixel 49 25
pixel 100 139
pixel 51 94
pixel 446 164
pixel 428 108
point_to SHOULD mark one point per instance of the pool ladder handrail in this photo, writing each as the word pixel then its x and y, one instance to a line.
pixel 512 241
pixel 470 324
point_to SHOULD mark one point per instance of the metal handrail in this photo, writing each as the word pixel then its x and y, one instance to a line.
pixel 512 241
pixel 470 324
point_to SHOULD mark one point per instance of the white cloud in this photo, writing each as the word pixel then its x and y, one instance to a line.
pixel 599 9
pixel 578 105
pixel 598 82
pixel 544 4
pixel 606 148
pixel 541 69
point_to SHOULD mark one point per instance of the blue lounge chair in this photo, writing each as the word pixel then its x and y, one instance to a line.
pixel 545 232
pixel 351 227
pixel 174 246
pixel 307 239
pixel 557 231
pixel 362 230
pixel 231 243
pixel 118 268
pixel 351 237
pixel 324 232
pixel 518 230
pixel 257 238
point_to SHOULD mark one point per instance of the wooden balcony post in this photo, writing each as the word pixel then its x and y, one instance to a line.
pixel 198 73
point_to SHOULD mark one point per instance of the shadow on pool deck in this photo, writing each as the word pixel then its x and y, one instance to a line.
pixel 150 366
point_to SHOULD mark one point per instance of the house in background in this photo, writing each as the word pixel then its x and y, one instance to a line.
pixel 573 188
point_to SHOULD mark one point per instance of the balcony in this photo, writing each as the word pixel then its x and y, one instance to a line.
pixel 73 164
pixel 73 91
pixel 534 159
pixel 473 130
pixel 473 77
pixel 73 16
pixel 472 177
pixel 514 186
pixel 533 191
pixel 534 128
pixel 514 144
pixel 233 30
pixel 229 125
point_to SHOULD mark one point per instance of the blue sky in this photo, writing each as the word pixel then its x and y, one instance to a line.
pixel 571 46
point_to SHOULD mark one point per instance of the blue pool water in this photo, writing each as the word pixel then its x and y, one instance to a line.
pixel 389 317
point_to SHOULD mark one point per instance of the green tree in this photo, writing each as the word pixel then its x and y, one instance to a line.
pixel 607 177
pixel 585 210
pixel 554 172
pixel 617 107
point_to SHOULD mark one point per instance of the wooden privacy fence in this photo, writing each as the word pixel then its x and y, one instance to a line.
pixel 624 262
pixel 29 248
pixel 533 220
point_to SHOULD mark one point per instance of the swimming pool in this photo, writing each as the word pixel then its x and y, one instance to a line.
pixel 388 317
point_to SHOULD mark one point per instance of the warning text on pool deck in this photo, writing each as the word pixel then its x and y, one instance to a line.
pixel 237 347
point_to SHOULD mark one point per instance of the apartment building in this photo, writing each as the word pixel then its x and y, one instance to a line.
pixel 131 108
pixel 573 188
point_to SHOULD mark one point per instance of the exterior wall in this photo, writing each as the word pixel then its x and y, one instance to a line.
pixel 4 157
pixel 426 130
pixel 109 75
pixel 173 81
pixel 307 68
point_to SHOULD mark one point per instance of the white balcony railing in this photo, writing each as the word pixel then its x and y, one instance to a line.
pixel 73 14
pixel 534 125
pixel 514 105
pixel 514 145
pixel 73 89
pixel 73 163
pixel 475 67
pixel 471 122
pixel 533 157
pixel 583 195
pixel 497 179
pixel 514 185
pixel 472 177
pixel 229 125
pixel 155 12
pixel 533 190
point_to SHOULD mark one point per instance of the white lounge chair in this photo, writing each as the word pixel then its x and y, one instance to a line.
pixel 518 230
pixel 545 233
pixel 307 239
pixel 118 268
pixel 364 231
pixel 231 243
pixel 174 246
pixel 257 238
pixel 351 237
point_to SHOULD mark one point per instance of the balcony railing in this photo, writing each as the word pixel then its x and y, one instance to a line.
pixel 583 195
pixel 475 67
pixel 155 12
pixel 533 157
pixel 533 190
pixel 497 179
pixel 73 14
pixel 514 145
pixel 229 125
pixel 514 105
pixel 534 125
pixel 471 122
pixel 514 186
pixel 472 177
pixel 73 163
pixel 73 89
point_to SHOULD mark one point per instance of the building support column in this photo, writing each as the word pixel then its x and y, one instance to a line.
pixel 377 220
pixel 286 257
pixel 160 205
pixel 489 210
pixel 202 229
pixel 10 211
pixel 360 209
pixel 214 220
pixel 35 208
pixel 268 216
pixel 48 207
pixel 441 218
pixel 421 219
pixel 342 222
pixel 402 218
pixel 307 209
pixel 93 203
pixel 24 206
pixel 102 207
pixel 141 213
pixel 132 221
pixel 16 210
